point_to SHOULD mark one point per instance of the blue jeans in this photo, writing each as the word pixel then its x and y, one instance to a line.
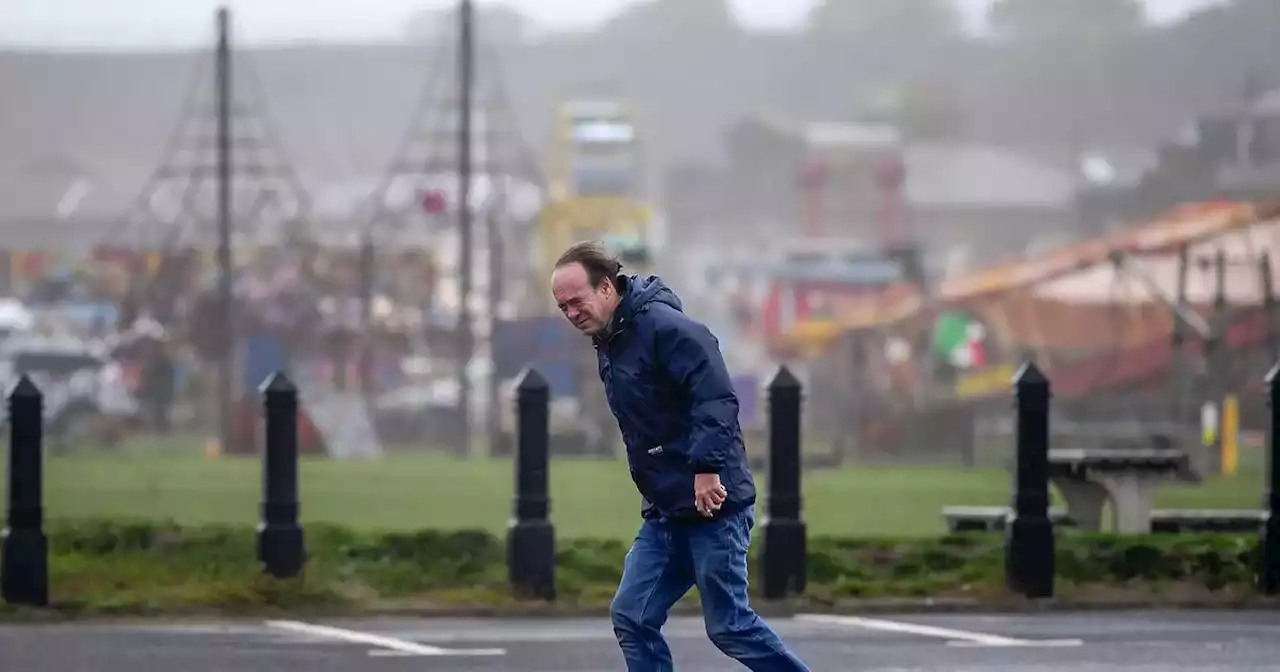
pixel 666 560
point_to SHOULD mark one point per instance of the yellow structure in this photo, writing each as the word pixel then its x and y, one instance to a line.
pixel 1187 224
pixel 987 383
pixel 1230 440
pixel 597 182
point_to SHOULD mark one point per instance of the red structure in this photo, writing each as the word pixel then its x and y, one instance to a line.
pixel 247 424
pixel 433 202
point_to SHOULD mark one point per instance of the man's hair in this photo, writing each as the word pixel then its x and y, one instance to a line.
pixel 599 264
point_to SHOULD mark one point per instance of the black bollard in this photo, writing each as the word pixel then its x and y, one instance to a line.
pixel 24 563
pixel 784 545
pixel 1269 551
pixel 280 545
pixel 531 539
pixel 1029 543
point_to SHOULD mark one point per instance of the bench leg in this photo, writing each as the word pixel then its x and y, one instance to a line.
pixel 1085 500
pixel 1132 498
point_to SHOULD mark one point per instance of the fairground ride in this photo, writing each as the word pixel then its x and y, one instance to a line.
pixel 599 189
pixel 1178 310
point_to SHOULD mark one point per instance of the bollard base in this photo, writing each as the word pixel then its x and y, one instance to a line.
pixel 783 556
pixel 1269 558
pixel 1029 557
pixel 24 568
pixel 531 559
pixel 281 550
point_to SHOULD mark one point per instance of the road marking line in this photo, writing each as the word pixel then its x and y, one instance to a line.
pixel 1049 643
pixel 954 637
pixel 910 629
pixel 390 644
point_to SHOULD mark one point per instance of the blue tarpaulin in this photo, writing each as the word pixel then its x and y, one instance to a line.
pixel 263 356
pixel 747 387
pixel 549 344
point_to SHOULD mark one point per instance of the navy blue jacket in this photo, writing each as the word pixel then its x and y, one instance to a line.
pixel 669 388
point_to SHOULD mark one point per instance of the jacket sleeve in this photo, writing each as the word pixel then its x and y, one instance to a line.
pixel 691 356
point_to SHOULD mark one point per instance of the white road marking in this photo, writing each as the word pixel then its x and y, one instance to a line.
pixel 1048 643
pixel 387 644
pixel 954 637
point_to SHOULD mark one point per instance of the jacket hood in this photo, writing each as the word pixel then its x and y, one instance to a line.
pixel 642 292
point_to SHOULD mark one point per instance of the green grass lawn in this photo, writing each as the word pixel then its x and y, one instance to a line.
pixel 588 498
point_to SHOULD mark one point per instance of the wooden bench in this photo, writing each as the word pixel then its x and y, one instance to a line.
pixel 1163 521
pixel 1181 521
pixel 989 518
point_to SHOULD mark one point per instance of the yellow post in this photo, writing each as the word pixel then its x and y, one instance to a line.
pixel 212 449
pixel 1230 442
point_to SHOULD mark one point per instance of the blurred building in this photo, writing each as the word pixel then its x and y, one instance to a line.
pixel 982 202
pixel 1231 152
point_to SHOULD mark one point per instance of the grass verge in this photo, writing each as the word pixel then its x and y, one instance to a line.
pixel 145 568
pixel 588 499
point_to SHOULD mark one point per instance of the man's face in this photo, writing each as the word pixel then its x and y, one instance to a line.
pixel 588 308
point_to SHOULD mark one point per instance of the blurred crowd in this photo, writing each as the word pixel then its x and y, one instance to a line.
pixel 349 317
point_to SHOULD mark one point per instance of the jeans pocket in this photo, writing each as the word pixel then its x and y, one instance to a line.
pixel 735 530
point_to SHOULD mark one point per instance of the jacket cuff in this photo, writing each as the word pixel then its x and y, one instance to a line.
pixel 707 468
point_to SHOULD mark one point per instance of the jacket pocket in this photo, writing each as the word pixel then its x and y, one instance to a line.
pixel 670 482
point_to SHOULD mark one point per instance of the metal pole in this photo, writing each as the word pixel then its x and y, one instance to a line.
pixel 225 286
pixel 497 252
pixel 1216 356
pixel 466 75
pixel 1179 370
pixel 1269 305
pixel 1212 380
pixel 495 220
pixel 368 277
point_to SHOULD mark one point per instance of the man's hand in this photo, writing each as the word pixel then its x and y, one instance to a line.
pixel 708 494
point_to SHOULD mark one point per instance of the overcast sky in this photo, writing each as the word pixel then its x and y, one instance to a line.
pixel 148 23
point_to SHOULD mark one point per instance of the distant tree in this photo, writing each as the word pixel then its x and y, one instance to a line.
pixel 922 111
pixel 885 18
pixel 1239 21
pixel 1073 20
pixel 497 24
pixel 654 19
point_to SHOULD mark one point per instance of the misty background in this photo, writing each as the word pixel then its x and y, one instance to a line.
pixel 762 135
pixel 1044 84
pixel 132 24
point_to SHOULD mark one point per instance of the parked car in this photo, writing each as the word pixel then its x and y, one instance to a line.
pixel 87 402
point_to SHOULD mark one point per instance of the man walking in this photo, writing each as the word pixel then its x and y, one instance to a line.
pixel 667 384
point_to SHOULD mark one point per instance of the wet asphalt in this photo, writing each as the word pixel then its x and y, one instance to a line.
pixel 1139 641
